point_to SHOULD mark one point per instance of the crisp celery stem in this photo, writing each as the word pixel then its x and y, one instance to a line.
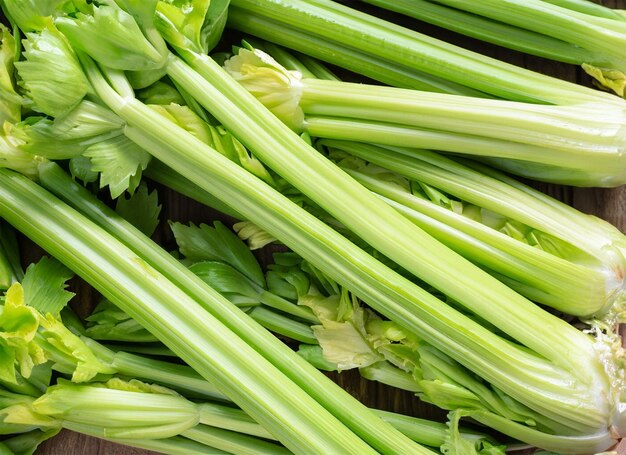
pixel 540 163
pixel 283 325
pixel 164 175
pixel 233 419
pixel 179 377
pixel 305 168
pixel 587 7
pixel 373 36
pixel 561 128
pixel 492 31
pixel 329 393
pixel 576 28
pixel 412 307
pixel 378 68
pixel 232 442
pixel 152 300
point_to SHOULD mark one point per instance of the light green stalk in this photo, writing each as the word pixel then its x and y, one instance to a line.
pixel 400 300
pixel 290 363
pixel 535 138
pixel 578 267
pixel 353 30
pixel 127 280
pixel 592 38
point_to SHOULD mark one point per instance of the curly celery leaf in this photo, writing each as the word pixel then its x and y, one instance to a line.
pixel 218 243
pixel 51 73
pixel 80 168
pixel 111 37
pixel 273 85
pixel 287 281
pixel 18 327
pixel 45 285
pixel 141 209
pixel 108 322
pixel 608 79
pixel 27 443
pixel 160 93
pixel 70 135
pixel 10 101
pixel 216 137
pixel 33 15
pixel 120 163
pixel 63 344
pixel 196 25
pixel 254 236
pixel 228 281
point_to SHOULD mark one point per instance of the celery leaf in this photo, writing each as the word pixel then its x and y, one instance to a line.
pixel 120 163
pixel 141 209
pixel 218 243
pixel 45 286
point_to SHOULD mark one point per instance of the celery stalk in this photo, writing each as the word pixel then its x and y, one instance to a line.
pixel 351 29
pixel 579 33
pixel 53 178
pixel 140 290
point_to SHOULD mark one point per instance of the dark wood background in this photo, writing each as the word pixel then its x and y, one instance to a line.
pixel 609 204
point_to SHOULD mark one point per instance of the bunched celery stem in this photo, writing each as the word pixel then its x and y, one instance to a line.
pixel 580 405
pixel 323 389
pixel 554 143
pixel 221 357
pixel 583 33
pixel 354 30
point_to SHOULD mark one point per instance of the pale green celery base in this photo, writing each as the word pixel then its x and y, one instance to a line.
pixel 223 99
pixel 604 169
pixel 152 300
pixel 376 37
pixel 380 69
pixel 541 276
pixel 488 188
pixel 571 129
pixel 232 442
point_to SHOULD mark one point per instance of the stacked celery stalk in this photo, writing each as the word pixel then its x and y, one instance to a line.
pixel 429 272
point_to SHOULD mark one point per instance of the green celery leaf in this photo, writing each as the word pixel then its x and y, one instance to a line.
pixel 18 327
pixel 228 281
pixel 85 364
pixel 108 322
pixel 51 73
pixel 608 79
pixel 204 243
pixel 160 93
pixel 313 354
pixel 196 25
pixel 290 283
pixel 111 37
pixel 141 209
pixel 27 443
pixel 32 15
pixel 45 286
pixel 70 135
pixel 10 101
pixel 80 168
pixel 120 163
pixel 456 444
pixel 345 345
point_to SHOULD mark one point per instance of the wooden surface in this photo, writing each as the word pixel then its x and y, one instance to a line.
pixel 606 203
